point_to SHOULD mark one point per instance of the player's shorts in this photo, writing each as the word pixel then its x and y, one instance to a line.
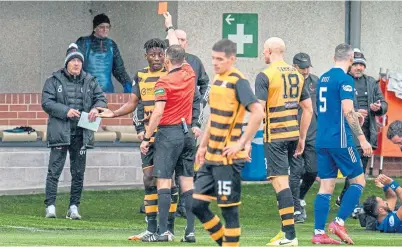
pixel 174 152
pixel 219 182
pixel 345 159
pixel 148 159
pixel 277 156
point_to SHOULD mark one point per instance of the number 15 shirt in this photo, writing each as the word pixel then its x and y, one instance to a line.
pixel 333 131
pixel 282 87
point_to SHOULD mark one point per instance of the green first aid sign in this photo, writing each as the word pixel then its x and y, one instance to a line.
pixel 243 30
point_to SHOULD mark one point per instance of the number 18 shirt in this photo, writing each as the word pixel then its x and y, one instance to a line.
pixel 333 131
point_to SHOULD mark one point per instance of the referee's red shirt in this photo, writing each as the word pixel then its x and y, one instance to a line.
pixel 177 89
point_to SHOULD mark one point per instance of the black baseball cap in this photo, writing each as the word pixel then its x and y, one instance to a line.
pixel 302 60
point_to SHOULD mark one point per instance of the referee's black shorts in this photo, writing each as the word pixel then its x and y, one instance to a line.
pixel 174 152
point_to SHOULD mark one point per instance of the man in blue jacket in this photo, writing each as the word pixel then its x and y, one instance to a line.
pixel 102 56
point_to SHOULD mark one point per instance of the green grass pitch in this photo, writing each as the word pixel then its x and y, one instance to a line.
pixel 109 217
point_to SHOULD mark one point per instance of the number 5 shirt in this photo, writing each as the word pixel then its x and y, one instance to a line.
pixel 333 131
pixel 282 87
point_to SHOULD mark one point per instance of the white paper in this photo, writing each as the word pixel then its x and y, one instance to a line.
pixel 84 122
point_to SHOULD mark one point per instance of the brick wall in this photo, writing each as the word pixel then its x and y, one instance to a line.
pixel 392 166
pixel 24 109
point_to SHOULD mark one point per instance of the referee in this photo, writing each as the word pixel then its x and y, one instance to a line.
pixel 174 141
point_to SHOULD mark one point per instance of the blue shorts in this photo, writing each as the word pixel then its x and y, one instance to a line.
pixel 329 160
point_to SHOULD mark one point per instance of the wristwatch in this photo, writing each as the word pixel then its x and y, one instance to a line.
pixel 146 139
pixel 171 27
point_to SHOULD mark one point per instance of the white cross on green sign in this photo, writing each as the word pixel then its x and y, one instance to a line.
pixel 243 30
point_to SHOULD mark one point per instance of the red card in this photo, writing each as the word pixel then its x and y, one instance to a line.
pixel 162 8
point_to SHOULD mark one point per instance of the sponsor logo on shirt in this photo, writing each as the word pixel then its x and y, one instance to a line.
pixel 347 88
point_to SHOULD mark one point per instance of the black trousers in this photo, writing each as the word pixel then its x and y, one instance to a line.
pixel 57 161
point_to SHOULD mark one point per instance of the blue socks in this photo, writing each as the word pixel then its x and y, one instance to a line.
pixel 321 210
pixel 322 206
pixel 350 200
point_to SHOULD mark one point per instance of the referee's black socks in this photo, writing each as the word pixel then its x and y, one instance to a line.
pixel 164 198
pixel 286 211
pixel 173 207
pixel 188 200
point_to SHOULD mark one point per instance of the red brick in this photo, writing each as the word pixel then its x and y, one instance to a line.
pixel 398 160
pixel 39 99
pixel 8 98
pixel 41 114
pixel 14 98
pixel 4 115
pixel 31 115
pixel 37 122
pixel 392 173
pixel 126 97
pixel 34 98
pixel 109 98
pixel 120 98
pixel 4 108
pixel 27 97
pixel 18 107
pixel 114 107
pixel 19 122
pixel 3 122
pixel 126 121
pixel 112 122
pixel 35 108
pixel 21 98
pixel 2 98
pixel 112 98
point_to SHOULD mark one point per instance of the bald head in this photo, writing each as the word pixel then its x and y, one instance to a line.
pixel 273 50
pixel 275 44
pixel 182 37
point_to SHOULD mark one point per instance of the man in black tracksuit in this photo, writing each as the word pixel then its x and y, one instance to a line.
pixel 370 103
pixel 304 167
pixel 66 94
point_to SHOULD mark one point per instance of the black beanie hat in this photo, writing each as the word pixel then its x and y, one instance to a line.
pixel 358 57
pixel 99 19
pixel 73 52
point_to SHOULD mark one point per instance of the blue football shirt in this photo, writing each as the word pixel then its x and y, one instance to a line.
pixel 333 130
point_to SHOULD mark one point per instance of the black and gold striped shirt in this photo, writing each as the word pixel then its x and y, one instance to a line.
pixel 143 87
pixel 281 86
pixel 229 97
